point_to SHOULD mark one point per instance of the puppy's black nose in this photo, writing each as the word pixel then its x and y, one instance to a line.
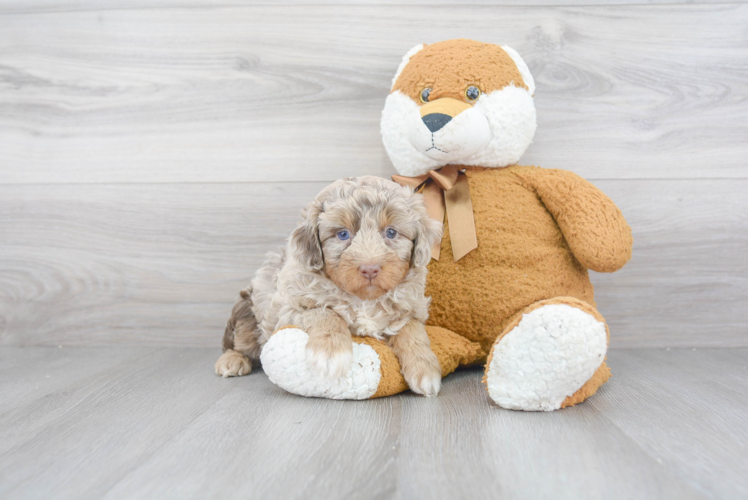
pixel 435 121
pixel 369 271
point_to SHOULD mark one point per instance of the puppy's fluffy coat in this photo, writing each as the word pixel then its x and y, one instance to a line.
pixel 356 265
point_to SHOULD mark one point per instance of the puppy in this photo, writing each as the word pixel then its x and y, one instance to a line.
pixel 356 265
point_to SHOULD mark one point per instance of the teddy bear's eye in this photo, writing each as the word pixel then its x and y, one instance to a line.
pixel 425 94
pixel 472 93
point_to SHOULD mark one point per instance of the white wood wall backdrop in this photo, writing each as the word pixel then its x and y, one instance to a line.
pixel 36 6
pixel 295 93
pixel 150 157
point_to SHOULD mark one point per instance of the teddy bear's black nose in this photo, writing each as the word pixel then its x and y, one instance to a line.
pixel 435 121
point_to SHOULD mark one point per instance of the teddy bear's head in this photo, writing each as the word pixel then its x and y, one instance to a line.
pixel 458 102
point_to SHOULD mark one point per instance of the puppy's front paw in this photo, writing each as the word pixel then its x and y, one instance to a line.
pixel 423 374
pixel 330 357
pixel 233 364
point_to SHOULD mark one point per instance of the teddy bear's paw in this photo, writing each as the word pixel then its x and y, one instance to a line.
pixel 548 356
pixel 233 364
pixel 284 360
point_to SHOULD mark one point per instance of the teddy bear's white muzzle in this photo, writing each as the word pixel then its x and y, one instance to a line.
pixel 447 139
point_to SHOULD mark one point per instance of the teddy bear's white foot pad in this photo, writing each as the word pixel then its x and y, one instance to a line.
pixel 284 361
pixel 548 356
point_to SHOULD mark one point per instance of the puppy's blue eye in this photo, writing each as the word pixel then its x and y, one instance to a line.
pixel 391 233
pixel 343 235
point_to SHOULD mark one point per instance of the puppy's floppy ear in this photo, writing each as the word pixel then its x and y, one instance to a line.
pixel 429 232
pixel 305 243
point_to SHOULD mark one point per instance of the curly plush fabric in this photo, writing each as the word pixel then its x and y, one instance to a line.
pixel 538 232
pixel 593 383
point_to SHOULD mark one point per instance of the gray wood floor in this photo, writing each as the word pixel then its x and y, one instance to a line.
pixel 137 422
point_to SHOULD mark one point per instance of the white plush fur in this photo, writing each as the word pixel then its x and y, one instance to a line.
pixel 464 136
pixel 522 67
pixel 511 118
pixel 494 133
pixel 551 353
pixel 400 117
pixel 284 361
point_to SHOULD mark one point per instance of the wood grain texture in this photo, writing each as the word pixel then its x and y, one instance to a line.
pixel 264 93
pixel 687 281
pixel 38 6
pixel 163 264
pixel 160 424
pixel 94 264
pixel 686 382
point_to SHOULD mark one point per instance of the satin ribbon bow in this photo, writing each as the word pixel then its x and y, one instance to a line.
pixel 447 188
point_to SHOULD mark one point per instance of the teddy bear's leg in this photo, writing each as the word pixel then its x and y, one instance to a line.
pixel 375 370
pixel 285 362
pixel 551 355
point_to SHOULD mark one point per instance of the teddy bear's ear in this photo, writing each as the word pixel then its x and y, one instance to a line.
pixel 522 67
pixel 405 61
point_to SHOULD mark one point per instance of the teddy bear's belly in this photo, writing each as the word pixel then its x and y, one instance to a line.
pixel 522 257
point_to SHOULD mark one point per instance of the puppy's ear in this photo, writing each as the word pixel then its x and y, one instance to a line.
pixel 305 243
pixel 429 232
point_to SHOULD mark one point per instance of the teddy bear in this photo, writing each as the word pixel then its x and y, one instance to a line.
pixel 509 281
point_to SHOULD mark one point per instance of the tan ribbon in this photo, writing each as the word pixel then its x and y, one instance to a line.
pixel 447 188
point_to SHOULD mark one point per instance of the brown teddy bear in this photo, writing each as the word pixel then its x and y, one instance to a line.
pixel 510 273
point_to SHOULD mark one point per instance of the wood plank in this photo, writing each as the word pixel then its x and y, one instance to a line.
pixel 477 450
pixel 263 93
pixel 260 432
pixel 162 264
pixel 162 425
pixel 687 282
pixel 452 446
pixel 676 396
pixel 44 375
pixel 39 6
pixel 108 427
pixel 261 442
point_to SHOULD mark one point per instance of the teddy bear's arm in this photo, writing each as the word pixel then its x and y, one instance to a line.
pixel 592 224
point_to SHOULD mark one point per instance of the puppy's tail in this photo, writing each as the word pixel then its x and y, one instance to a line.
pixel 241 332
